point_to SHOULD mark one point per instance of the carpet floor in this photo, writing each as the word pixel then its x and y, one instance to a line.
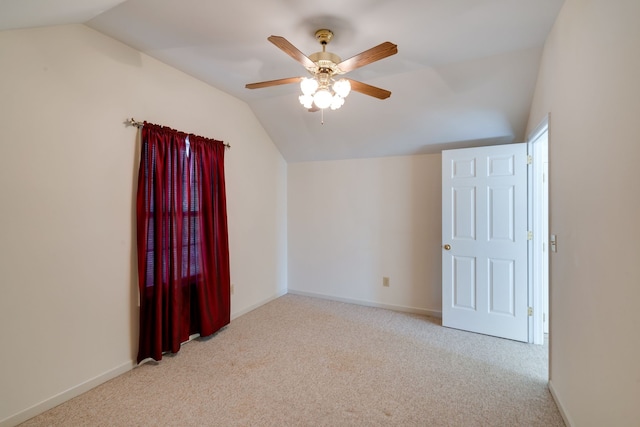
pixel 300 361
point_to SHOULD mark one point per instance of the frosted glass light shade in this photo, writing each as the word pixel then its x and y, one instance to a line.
pixel 306 100
pixel 336 102
pixel 342 87
pixel 308 86
pixel 322 98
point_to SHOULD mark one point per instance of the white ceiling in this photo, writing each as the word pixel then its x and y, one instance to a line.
pixel 464 74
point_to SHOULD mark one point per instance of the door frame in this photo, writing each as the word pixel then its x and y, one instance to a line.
pixel 538 224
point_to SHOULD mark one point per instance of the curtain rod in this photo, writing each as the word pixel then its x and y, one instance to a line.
pixel 139 125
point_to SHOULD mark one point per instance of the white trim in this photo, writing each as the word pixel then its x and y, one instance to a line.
pixel 256 305
pixel 542 126
pixel 538 225
pixel 404 309
pixel 531 284
pixel 563 412
pixel 66 395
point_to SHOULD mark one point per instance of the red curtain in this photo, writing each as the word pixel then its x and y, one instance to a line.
pixel 183 247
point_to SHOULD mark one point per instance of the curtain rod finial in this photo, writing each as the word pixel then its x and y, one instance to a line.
pixel 133 122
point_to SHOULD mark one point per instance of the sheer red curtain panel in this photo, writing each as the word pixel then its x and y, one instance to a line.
pixel 183 247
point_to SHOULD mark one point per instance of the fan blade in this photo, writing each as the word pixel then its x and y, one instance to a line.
pixel 273 83
pixel 366 89
pixel 368 56
pixel 284 45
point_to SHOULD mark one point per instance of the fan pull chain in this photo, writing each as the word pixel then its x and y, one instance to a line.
pixel 322 116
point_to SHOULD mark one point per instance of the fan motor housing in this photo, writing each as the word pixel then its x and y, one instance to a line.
pixel 326 60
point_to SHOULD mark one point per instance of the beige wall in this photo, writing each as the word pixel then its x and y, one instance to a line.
pixel 589 82
pixel 68 300
pixel 351 222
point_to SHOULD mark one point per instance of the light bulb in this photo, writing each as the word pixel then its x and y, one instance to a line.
pixel 306 100
pixel 308 86
pixel 322 98
pixel 336 102
pixel 342 87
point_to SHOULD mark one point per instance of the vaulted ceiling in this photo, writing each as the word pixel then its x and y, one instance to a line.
pixel 463 76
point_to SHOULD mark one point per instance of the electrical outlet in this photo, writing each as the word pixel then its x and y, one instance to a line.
pixel 385 282
pixel 233 288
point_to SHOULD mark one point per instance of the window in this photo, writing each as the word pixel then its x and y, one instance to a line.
pixel 189 243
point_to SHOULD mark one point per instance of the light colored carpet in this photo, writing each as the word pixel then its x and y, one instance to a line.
pixel 300 361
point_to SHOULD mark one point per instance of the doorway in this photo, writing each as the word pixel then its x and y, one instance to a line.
pixel 497 197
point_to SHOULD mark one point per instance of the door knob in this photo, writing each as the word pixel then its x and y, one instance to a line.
pixel 447 247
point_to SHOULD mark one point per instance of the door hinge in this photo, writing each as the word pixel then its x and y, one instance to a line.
pixel 530 311
pixel 529 159
pixel 529 235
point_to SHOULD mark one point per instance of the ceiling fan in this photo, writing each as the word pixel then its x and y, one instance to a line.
pixel 322 90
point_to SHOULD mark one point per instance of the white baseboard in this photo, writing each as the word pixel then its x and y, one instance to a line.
pixel 563 412
pixel 256 305
pixel 413 310
pixel 69 394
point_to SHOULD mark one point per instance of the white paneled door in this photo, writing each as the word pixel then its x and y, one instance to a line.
pixel 484 240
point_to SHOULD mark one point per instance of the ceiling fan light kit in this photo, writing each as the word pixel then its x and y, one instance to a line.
pixel 322 89
pixel 318 93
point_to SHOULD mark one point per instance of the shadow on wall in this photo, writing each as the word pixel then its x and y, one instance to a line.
pixel 135 300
